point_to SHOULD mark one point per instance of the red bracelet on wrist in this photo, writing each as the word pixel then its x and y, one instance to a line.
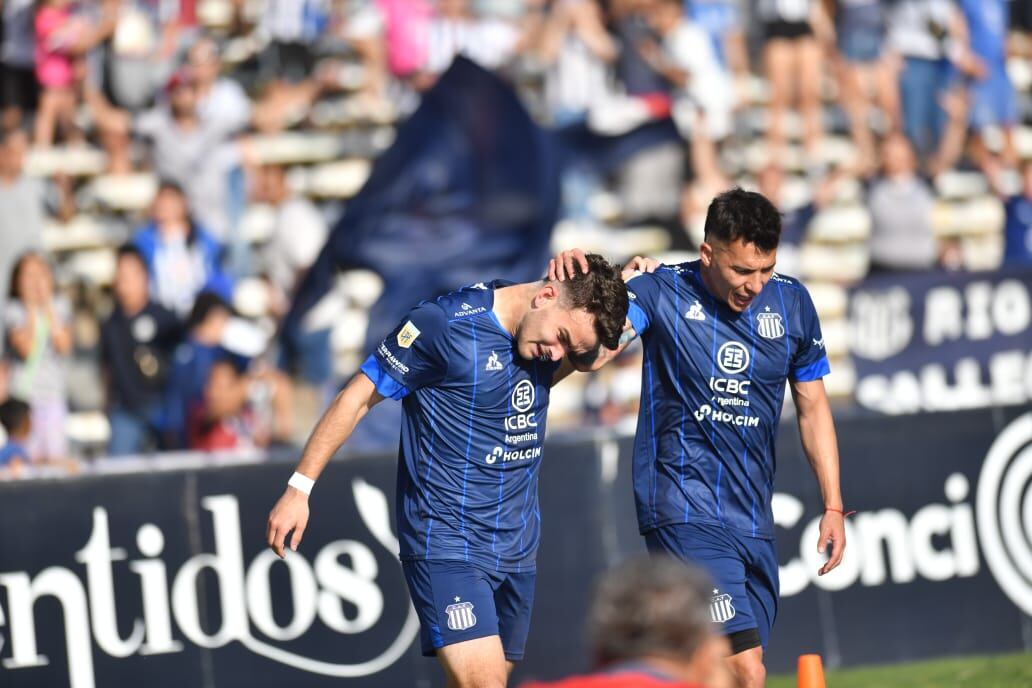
pixel 845 514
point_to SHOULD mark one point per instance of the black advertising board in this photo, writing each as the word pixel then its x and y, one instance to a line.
pixel 163 578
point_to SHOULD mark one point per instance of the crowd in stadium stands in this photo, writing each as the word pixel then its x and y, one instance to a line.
pixel 156 187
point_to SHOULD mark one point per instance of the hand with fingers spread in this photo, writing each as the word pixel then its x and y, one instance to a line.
pixel 566 263
pixel 833 531
pixel 289 515
pixel 639 264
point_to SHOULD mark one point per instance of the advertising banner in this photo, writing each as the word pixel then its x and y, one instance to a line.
pixel 164 579
pixel 942 341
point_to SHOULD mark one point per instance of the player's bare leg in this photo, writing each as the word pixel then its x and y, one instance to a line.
pixel 747 666
pixel 477 663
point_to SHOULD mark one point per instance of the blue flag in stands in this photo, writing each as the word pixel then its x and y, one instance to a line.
pixel 468 192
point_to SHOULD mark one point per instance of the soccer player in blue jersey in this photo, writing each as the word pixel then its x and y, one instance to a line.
pixel 721 336
pixel 473 370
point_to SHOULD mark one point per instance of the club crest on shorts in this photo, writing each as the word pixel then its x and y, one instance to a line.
pixel 407 335
pixel 720 608
pixel 460 615
pixel 769 325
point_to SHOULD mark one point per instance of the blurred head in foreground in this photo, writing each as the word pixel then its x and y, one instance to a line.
pixel 655 610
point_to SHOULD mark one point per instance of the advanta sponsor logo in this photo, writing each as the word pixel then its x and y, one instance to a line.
pixel 939 541
pixel 342 576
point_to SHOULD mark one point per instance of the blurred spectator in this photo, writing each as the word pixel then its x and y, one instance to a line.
pixel 993 102
pixel 795 219
pixel 723 22
pixel 193 151
pixel 614 393
pixel 299 233
pixel 222 419
pixel 39 340
pixel 221 102
pixel 182 258
pixel 930 36
pixel 649 625
pixel 21 206
pixel 19 90
pixel 239 412
pixel 191 363
pixel 703 90
pixel 1018 228
pixel 364 30
pixel 863 68
pixel 631 29
pixel 288 63
pixel 456 29
pixel 16 419
pixel 292 28
pixel 1021 28
pixel 792 63
pixel 578 50
pixel 63 39
pixel 901 204
pixel 135 345
pixel 406 25
pixel 135 67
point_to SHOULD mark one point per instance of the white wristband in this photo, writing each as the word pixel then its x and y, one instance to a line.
pixel 301 482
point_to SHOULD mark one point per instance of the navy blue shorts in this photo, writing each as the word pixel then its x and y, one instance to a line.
pixel 458 601
pixel 744 572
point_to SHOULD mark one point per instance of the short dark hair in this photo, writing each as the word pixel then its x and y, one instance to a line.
pixel 601 292
pixel 650 606
pixel 206 303
pixel 130 250
pixel 746 215
pixel 13 414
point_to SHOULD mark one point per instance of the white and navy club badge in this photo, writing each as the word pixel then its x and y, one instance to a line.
pixel 721 609
pixel 460 615
pixel 769 325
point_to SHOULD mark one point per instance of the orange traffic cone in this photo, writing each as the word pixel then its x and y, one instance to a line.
pixel 811 672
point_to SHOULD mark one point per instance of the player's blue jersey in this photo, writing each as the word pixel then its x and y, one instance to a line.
pixel 713 382
pixel 472 433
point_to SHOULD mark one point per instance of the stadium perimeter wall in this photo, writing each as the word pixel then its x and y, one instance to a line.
pixel 163 578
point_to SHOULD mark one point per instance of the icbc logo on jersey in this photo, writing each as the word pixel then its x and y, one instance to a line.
pixel 733 357
pixel 522 402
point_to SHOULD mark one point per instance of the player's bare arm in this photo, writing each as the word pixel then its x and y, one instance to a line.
pixel 817 432
pixel 334 428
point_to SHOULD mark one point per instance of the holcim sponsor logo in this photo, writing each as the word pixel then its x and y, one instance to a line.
pixel 939 541
pixel 170 602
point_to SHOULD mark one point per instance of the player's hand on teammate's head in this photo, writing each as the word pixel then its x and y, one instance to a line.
pixel 289 514
pixel 833 534
pixel 564 265
pixel 639 264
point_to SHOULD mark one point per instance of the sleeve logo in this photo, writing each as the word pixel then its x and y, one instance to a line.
pixel 407 335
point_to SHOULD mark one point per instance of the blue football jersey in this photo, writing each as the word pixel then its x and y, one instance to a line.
pixel 713 383
pixel 472 432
